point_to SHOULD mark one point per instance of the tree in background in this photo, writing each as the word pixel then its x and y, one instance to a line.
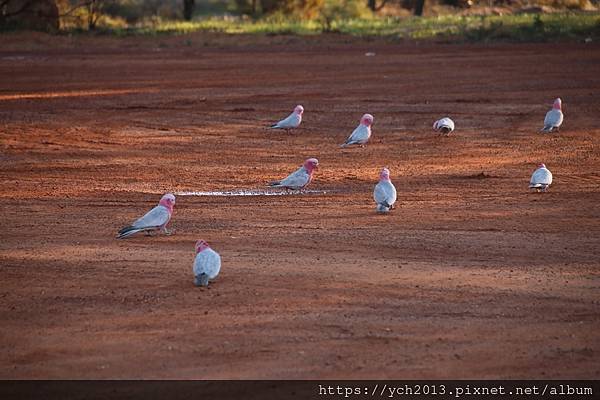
pixel 188 9
pixel 29 14
pixel 372 4
pixel 94 11
pixel 419 5
pixel 84 13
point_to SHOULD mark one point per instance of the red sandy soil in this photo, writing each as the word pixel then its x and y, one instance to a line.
pixel 471 276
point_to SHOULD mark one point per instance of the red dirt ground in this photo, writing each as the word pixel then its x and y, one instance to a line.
pixel 471 276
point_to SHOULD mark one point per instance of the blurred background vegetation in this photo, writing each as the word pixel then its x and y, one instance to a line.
pixel 468 19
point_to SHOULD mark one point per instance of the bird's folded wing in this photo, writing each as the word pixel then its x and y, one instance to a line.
pixel 287 122
pixel 541 176
pixel 446 122
pixel 360 134
pixel 553 118
pixel 158 216
pixel 380 194
pixel 296 179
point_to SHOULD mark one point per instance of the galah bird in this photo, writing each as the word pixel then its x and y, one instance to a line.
pixel 362 133
pixel 444 125
pixel 385 192
pixel 554 117
pixel 206 265
pixel 541 179
pixel 292 121
pixel 300 178
pixel 154 220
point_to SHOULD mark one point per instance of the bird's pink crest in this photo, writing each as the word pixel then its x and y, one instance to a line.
pixel 557 104
pixel 299 109
pixel 311 164
pixel 367 120
pixel 542 165
pixel 201 245
pixel 168 200
pixel 384 175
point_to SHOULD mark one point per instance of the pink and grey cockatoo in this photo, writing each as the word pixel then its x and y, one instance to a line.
pixel 362 133
pixel 206 265
pixel 444 125
pixel 385 192
pixel 154 220
pixel 300 178
pixel 554 117
pixel 541 179
pixel 292 121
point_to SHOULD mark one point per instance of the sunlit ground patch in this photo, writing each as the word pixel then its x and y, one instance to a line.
pixel 252 192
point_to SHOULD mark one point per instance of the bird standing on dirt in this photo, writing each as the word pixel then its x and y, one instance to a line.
pixel 154 220
pixel 362 133
pixel 554 117
pixel 385 192
pixel 292 121
pixel 444 125
pixel 541 179
pixel 300 178
pixel 206 265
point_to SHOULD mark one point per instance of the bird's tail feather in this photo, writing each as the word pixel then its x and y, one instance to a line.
pixel 201 280
pixel 383 207
pixel 127 228
pixel 274 183
pixel 127 231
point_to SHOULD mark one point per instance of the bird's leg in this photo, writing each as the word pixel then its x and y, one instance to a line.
pixel 166 231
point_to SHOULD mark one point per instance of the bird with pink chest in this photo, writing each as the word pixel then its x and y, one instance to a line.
pixel 300 178
pixel 154 220
pixel 362 133
pixel 292 121
pixel 207 264
pixel 554 117
pixel 385 192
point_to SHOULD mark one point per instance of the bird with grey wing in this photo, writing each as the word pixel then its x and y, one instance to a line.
pixel 292 121
pixel 385 192
pixel 207 264
pixel 541 179
pixel 362 133
pixel 154 220
pixel 554 118
pixel 300 178
pixel 444 126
